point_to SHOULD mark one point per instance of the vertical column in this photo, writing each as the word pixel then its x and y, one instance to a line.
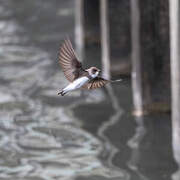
pixel 105 43
pixel 175 74
pixel 136 58
pixel 79 28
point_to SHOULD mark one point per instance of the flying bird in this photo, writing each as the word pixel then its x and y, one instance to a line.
pixel 76 74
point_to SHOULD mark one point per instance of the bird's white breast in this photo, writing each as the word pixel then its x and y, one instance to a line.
pixel 78 83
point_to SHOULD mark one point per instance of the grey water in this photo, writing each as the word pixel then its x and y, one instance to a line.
pixel 85 135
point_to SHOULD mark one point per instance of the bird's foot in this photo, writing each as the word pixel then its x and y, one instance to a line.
pixel 62 93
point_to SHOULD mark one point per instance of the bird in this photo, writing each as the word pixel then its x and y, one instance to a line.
pixel 73 70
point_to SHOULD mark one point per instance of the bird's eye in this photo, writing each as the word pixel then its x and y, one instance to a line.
pixel 94 70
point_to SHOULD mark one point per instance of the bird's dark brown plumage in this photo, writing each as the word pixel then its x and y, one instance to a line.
pixel 97 82
pixel 69 63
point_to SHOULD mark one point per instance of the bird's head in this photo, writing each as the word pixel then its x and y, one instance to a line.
pixel 93 72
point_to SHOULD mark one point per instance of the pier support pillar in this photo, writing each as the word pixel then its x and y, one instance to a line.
pixel 175 74
pixel 136 58
pixel 79 28
pixel 105 49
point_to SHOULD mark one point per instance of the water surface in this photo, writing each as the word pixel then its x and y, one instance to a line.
pixel 85 135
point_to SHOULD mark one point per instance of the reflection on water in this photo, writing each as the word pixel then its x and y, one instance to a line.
pixel 176 150
pixel 176 147
pixel 81 136
pixel 134 144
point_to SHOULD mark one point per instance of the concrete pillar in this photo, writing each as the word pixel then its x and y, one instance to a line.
pixel 79 28
pixel 105 49
pixel 136 58
pixel 175 78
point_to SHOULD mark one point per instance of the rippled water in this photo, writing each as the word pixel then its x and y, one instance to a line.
pixel 89 135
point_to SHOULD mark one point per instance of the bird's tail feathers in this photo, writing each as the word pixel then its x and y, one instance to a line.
pixel 117 80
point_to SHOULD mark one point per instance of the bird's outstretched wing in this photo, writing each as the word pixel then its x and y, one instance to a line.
pixel 97 82
pixel 69 62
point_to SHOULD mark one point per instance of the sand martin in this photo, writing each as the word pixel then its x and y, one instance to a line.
pixel 75 73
